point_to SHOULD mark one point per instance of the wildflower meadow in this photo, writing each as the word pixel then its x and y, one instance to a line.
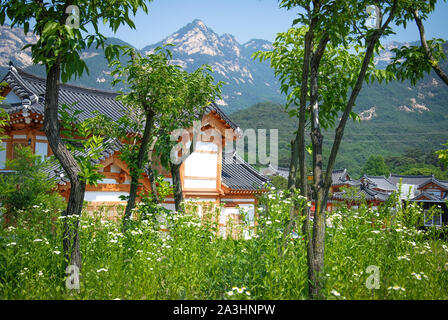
pixel 370 254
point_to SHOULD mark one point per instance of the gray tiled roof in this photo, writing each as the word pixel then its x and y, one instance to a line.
pixel 279 171
pixel 431 198
pixel 415 180
pixel 428 195
pixel 380 182
pixel 31 90
pixel 440 183
pixel 365 193
pixel 238 174
pixel 55 170
pixel 339 177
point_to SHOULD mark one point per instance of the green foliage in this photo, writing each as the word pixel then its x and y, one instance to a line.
pixel 59 43
pixel 375 166
pixel 4 117
pixel 417 162
pixel 279 182
pixel 411 62
pixel 174 96
pixel 405 140
pixel 443 155
pixel 27 185
pixel 337 77
pixel 148 208
pixel 191 262
pixel 84 142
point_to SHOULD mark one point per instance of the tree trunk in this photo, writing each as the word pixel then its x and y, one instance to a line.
pixel 316 245
pixel 69 164
pixel 346 115
pixel 316 256
pixel 178 195
pixel 152 178
pixel 137 171
pixel 442 75
pixel 298 144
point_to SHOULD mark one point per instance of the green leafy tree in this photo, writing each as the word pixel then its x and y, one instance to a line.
pixel 279 182
pixel 413 62
pixel 61 26
pixel 443 155
pixel 27 185
pixel 159 92
pixel 323 77
pixel 4 117
pixel 375 166
pixel 196 93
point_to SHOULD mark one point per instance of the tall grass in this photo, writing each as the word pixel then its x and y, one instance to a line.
pixel 192 262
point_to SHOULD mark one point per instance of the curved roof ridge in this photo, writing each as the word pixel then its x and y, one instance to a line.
pixel 213 106
pixel 410 176
pixel 34 77
pixel 17 84
pixel 252 169
pixel 433 180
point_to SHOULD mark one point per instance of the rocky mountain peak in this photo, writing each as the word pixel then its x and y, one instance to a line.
pixel 13 40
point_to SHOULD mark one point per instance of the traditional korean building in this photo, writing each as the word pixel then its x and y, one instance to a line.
pixel 407 185
pixel 205 175
pixel 374 190
pixel 378 183
pixel 433 193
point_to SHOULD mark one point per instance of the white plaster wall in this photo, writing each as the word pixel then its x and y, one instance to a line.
pixel 405 191
pixel 206 146
pixel 201 165
pixel 250 212
pixel 202 184
pixel 95 196
pixel 108 181
pixel 248 208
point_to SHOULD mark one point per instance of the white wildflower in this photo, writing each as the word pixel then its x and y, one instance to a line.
pixel 335 293
pixel 395 287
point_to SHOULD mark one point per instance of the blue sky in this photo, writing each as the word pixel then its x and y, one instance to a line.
pixel 245 19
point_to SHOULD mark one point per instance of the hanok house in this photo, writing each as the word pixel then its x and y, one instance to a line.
pixel 375 190
pixel 205 176
pixel 433 193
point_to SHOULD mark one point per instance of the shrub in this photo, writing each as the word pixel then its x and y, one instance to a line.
pixel 28 187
